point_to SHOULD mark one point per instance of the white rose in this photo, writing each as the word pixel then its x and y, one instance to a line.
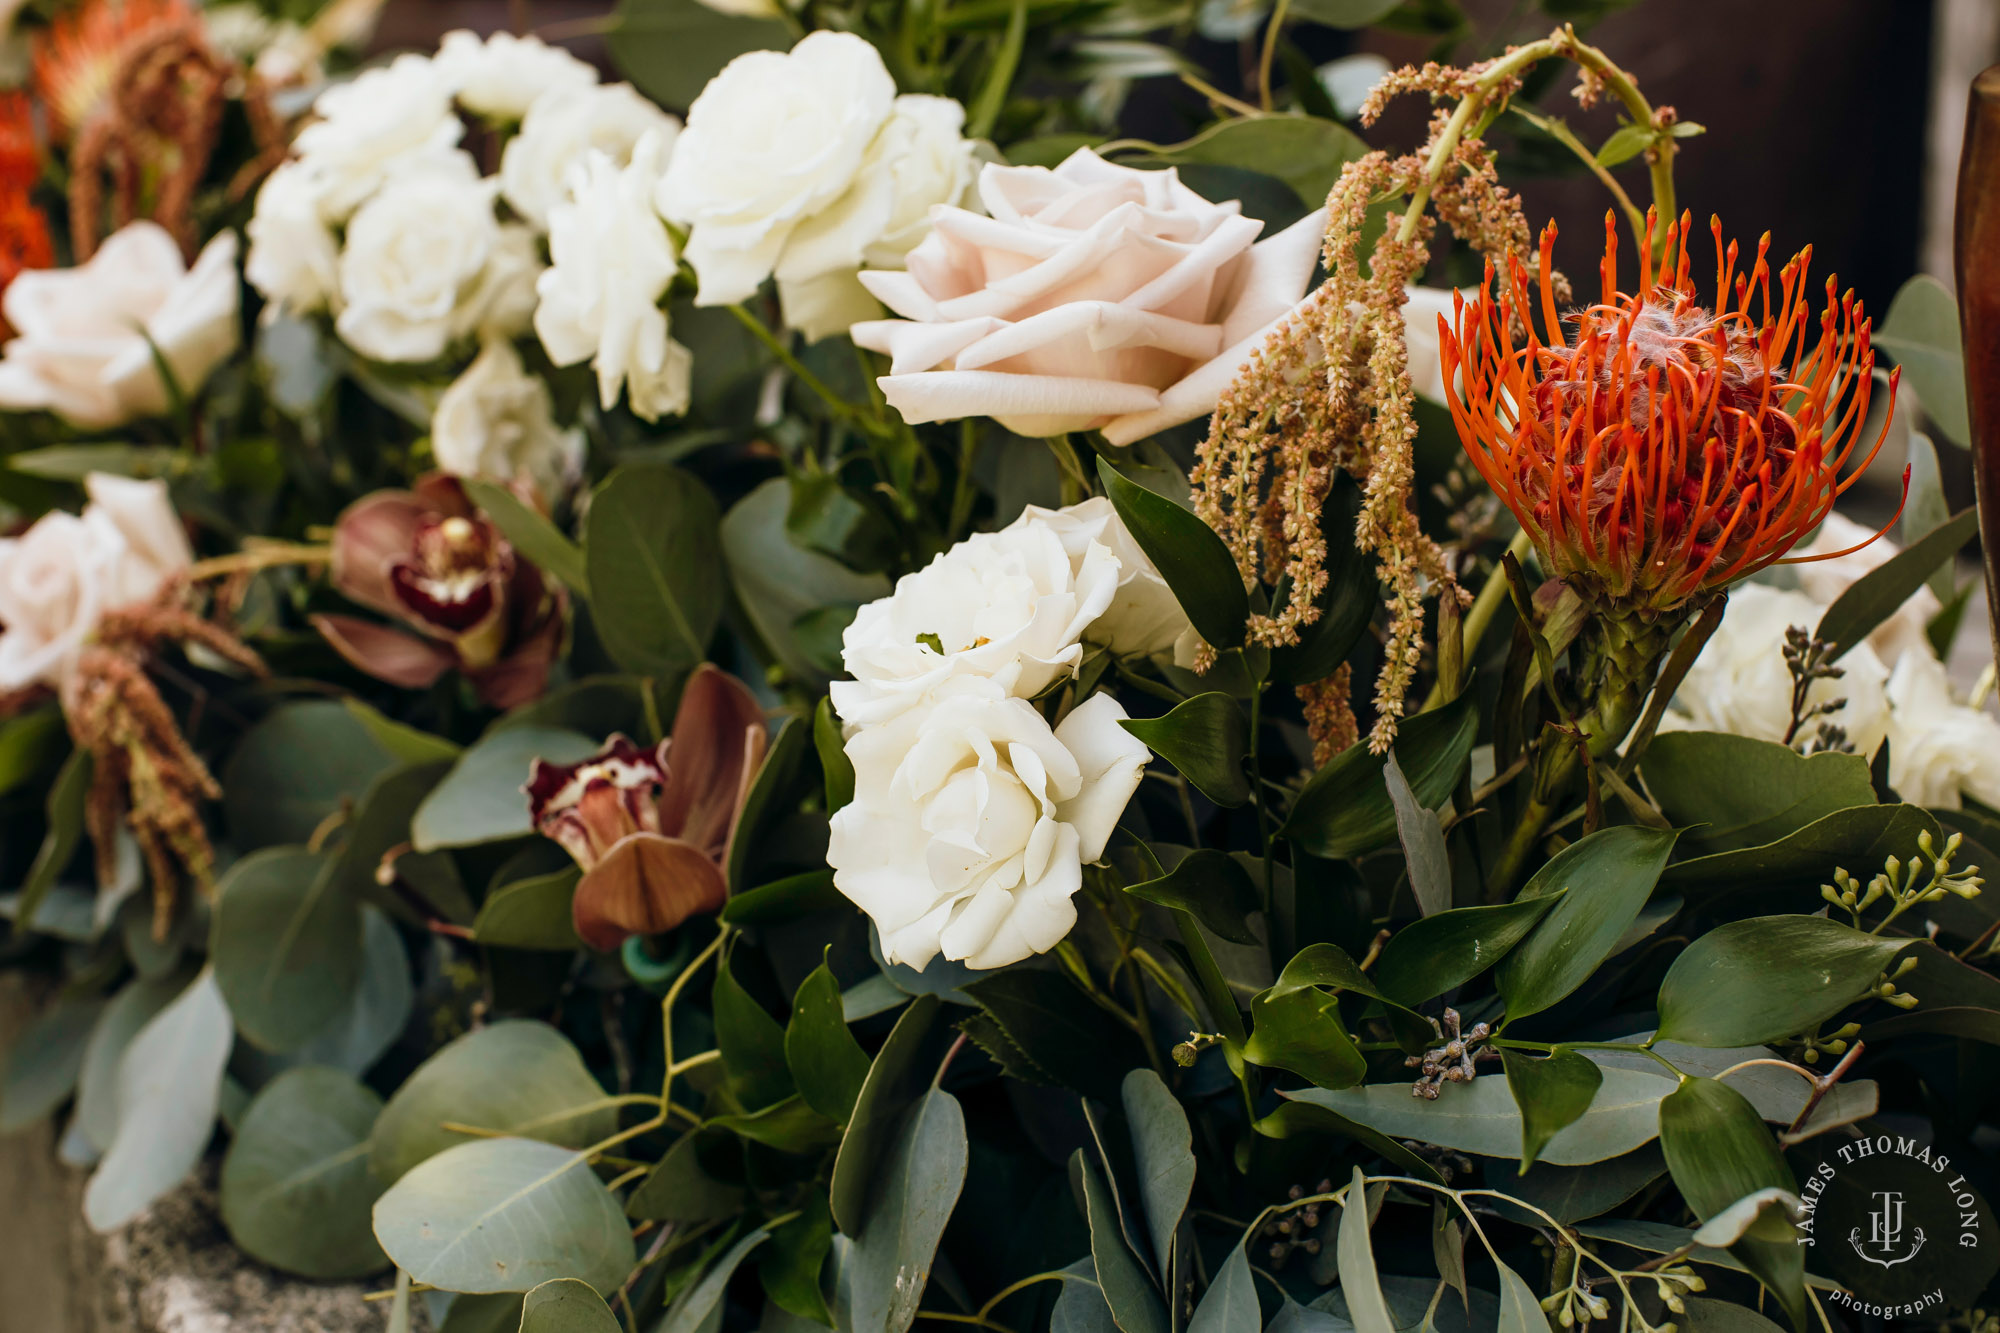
pixel 613 260
pixel 495 423
pixel 1094 296
pixel 60 577
pixel 1010 607
pixel 918 159
pixel 774 138
pixel 1939 749
pixel 1144 615
pixel 1420 335
pixel 86 336
pixel 1740 683
pixel 502 76
pixel 971 823
pixel 374 125
pixel 294 259
pixel 411 271
pixel 561 129
pixel 502 302
pixel 1824 580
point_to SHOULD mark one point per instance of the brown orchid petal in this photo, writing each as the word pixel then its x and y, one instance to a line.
pixel 646 885
pixel 718 741
pixel 522 675
pixel 372 535
pixel 385 653
pixel 443 494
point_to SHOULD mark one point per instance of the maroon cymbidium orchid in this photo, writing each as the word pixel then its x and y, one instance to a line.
pixel 431 560
pixel 651 828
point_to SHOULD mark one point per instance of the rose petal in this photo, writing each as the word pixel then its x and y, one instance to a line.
pixel 1272 276
pixel 1107 326
pixel 1025 404
pixel 645 885
pixel 1112 761
pixel 387 654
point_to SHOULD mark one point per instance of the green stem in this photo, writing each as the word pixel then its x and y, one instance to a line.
pixel 962 493
pixel 1492 596
pixel 1264 62
pixel 840 407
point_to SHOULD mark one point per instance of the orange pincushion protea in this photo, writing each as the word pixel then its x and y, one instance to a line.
pixel 24 232
pixel 1662 449
pixel 79 55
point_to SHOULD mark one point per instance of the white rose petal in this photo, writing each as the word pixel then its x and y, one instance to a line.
pixel 294 259
pixel 495 423
pixel 775 138
pixel 1824 580
pixel 1009 608
pixel 410 274
pixel 502 76
pixel 561 129
pixel 971 822
pixel 1939 750
pixel 600 300
pixel 86 336
pixel 1094 296
pixel 373 125
pixel 1144 615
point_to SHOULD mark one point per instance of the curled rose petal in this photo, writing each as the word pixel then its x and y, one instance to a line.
pixel 645 885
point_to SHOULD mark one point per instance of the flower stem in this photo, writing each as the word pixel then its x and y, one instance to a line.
pixel 840 407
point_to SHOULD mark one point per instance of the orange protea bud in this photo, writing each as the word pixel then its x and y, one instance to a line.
pixel 78 56
pixel 1655 448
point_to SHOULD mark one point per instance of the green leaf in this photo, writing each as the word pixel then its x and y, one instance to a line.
pixel 1878 594
pixel 1343 13
pixel 1429 957
pixel 1163 1151
pixel 403 743
pixel 681 1189
pixel 778 581
pixel 505 1214
pixel 514 1077
pixel 670 49
pixel 1301 1031
pixel 130 1009
pixel 692 1310
pixel 1552 1093
pixel 272 799
pixel 654 553
pixel 1210 886
pixel 1352 595
pixel 1626 142
pixel 1059 1030
pixel 496 1313
pixel 1328 965
pixel 1135 1303
pixel 44 1061
pixel 378 1009
pixel 539 541
pixel 1749 982
pixel 790 1268
pixel 1422 834
pixel 828 1065
pixel 1230 1303
pixel 1925 507
pixel 1206 739
pixel 1863 835
pixel 834 764
pixel 1520 1308
pixel 381 825
pixel 751 1041
pixel 1482 1117
pixel 1706 1316
pixel 1345 811
pixel 1604 879
pixel 28 744
pixel 65 808
pixel 1304 152
pixel 481 799
pixel 565 1305
pixel 286 946
pixel 532 913
pixel 783 899
pixel 893 1081
pixel 1189 555
pixel 1731 792
pixel 1359 1282
pixel 766 803
pixel 883 1276
pixel 296 1190
pixel 1922 333
pixel 824 516
pixel 985 109
pixel 1718 1150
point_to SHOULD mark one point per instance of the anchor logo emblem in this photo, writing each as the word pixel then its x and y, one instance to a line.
pixel 1885 1232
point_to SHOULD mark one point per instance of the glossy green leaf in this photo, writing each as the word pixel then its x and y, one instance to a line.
pixel 1345 810
pixel 515 1077
pixel 505 1214
pixel 538 540
pixel 670 49
pixel 1718 1150
pixel 827 1064
pixel 1552 1092
pixel 1860 836
pixel 1604 878
pixel 1206 739
pixel 1163 1153
pixel 1625 143
pixel 893 1082
pixel 1422 834
pixel 378 1009
pixel 1057 1027
pixel 1230 1303
pixel 1922 334
pixel 1429 957
pixel 43 1062
pixel 751 1041
pixel 481 798
pixel 29 743
pixel 1189 555
pixel 1302 1031
pixel 499 1312
pixel 272 799
pixel 296 1190
pixel 286 946
pixel 1767 978
pixel 790 1267
pixel 1520 1308
pixel 834 764
pixel 773 794
pixel 1304 152
pixel 532 913
pixel 1359 1281
pixel 1328 965
pixel 654 554
pixel 1878 594
pixel 693 1310
pixel 1731 792
pixel 565 1305
pixel 1210 886
pixel 783 899
pixel 1135 1303
pixel 883 1277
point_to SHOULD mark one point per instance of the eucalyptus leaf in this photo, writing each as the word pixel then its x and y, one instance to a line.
pixel 1922 334
pixel 670 49
pixel 296 1190
pixel 482 798
pixel 1305 152
pixel 44 1061
pixel 654 555
pixel 1359 1281
pixel 1134 1302
pixel 893 1082
pixel 531 913
pixel 1520 1308
pixel 1718 1151
pixel 777 581
pixel 1881 592
pixel 1767 978
pixel 1230 1303
pixel 1422 835
pixel 1551 1093
pixel 680 1189
pixel 64 807
pixel 1731 792
pixel 1163 1152
pixel 286 946
pixel 884 1276
pixel 565 1305
pixel 692 1310
pixel 272 799
pixel 1429 957
pixel 131 1009
pixel 539 541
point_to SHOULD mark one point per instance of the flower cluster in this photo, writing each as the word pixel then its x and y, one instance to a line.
pixel 972 816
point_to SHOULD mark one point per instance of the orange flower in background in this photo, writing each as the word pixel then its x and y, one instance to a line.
pixel 24 232
pixel 78 57
pixel 20 161
pixel 1663 448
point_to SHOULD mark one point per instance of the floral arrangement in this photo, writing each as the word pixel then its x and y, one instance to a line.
pixel 793 685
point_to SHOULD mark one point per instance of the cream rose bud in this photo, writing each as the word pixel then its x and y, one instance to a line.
pixel 1144 615
pixel 411 272
pixel 600 300
pixel 972 820
pixel 495 423
pixel 1094 296
pixel 503 75
pixel 368 128
pixel 775 138
pixel 152 545
pixel 1008 607
pixel 1940 751
pixel 918 159
pixel 89 339
pixel 294 259
pixel 564 127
